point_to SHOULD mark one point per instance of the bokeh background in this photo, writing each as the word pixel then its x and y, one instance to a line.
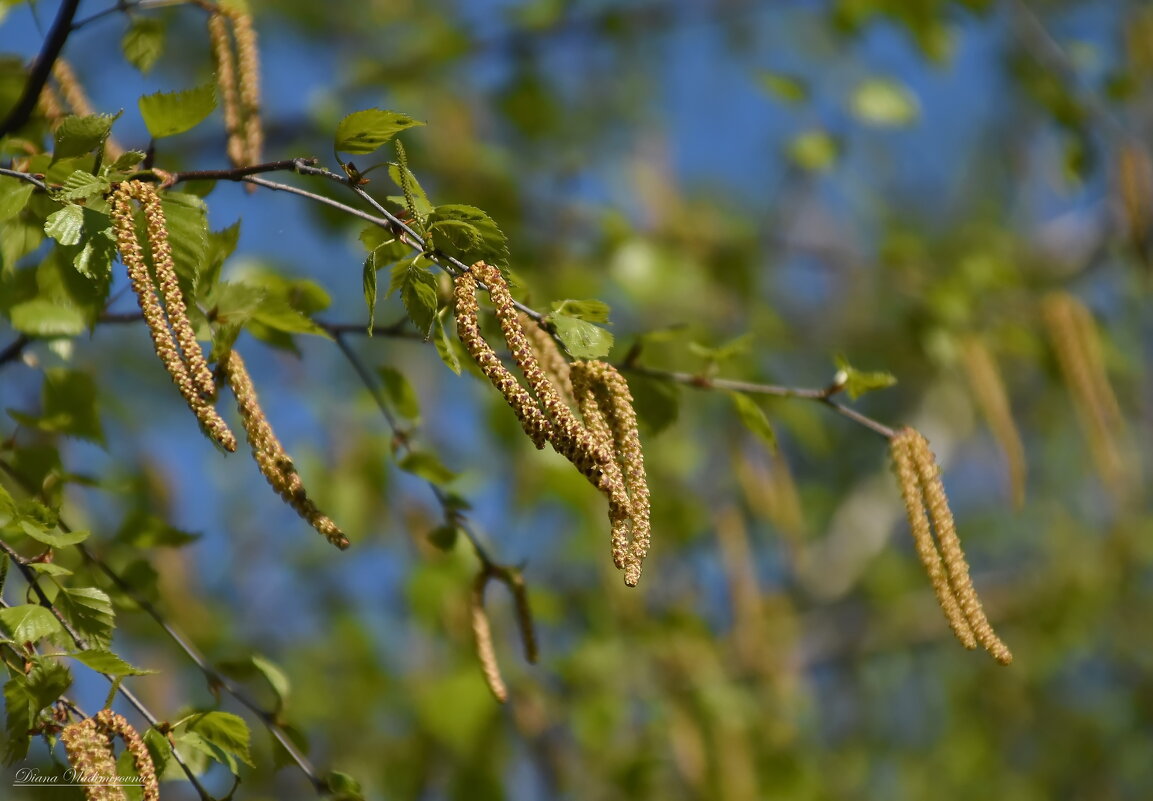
pixel 901 183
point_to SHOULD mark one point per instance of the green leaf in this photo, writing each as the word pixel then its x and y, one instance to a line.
pixel 109 663
pixel 754 418
pixel 591 311
pixel 18 705
pixel 276 314
pixel 171 113
pixel 342 787
pixel 420 200
pixel 276 677
pixel 65 225
pixel 81 185
pixel 54 537
pixel 47 681
pixel 143 42
pixel 582 340
pixel 400 392
pixel 29 623
pixel 159 749
pixel 454 236
pixel 368 281
pixel 186 219
pixel 858 382
pixel 365 131
pixel 788 88
pixel 14 196
pixel 89 610
pixel 884 103
pixel 224 731
pixel 417 287
pixel 444 346
pixel 97 248
pixel 814 150
pixel 127 159
pixel 77 136
pixel 427 466
pixel 493 246
pixel 50 569
pixel 41 317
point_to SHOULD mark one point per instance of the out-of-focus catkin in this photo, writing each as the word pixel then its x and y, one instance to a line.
pixel 927 506
pixel 274 462
pixel 248 79
pixel 482 637
pixel 988 389
pixel 89 744
pixel 1077 345
pixel 225 62
pixel 187 377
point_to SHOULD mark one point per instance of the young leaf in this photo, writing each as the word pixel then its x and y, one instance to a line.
pixel 29 623
pixel 53 537
pixel 402 175
pixel 14 196
pixel 64 225
pixel 81 185
pixel 76 136
pixel 427 466
pixel 224 731
pixel 97 248
pixel 171 113
pixel 18 703
pixel 366 131
pixel 582 340
pixel 47 682
pixel 127 160
pixel 89 610
pixel 42 317
pixel 186 218
pixel 591 311
pixel 444 346
pixel 277 679
pixel 417 287
pixel 492 247
pixel 400 392
pixel 143 42
pixel 754 418
pixel 454 236
pixel 109 663
pixel 858 382
pixel 368 281
pixel 342 787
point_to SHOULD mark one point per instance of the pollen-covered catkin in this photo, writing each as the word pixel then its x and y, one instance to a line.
pixel 482 634
pixel 956 567
pixel 913 496
pixel 274 462
pixel 124 226
pixel 612 482
pixel 225 62
pixel 552 361
pixel 115 724
pixel 531 418
pixel 569 437
pixel 89 748
pixel 248 78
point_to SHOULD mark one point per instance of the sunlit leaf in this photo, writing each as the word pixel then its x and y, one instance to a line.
pixel 143 42
pixel 76 136
pixel 89 610
pixel 366 131
pixel 753 418
pixel 171 113
pixel 857 382
pixel 65 225
pixel 29 622
pixel 582 340
pixel 426 465
pixel 224 731
pixel 14 196
pixel 591 311
pixel 109 663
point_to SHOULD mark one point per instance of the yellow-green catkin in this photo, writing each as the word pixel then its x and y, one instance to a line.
pixel 225 61
pixel 482 637
pixel 248 80
pixel 90 753
pixel 274 462
pixel 192 386
pixel 115 724
pixel 531 418
pixel 911 492
pixel 920 478
pixel 552 361
pixel 569 437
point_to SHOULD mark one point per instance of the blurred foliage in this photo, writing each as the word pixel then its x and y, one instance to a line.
pixel 926 180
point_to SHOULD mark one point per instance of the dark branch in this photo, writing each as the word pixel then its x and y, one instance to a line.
pixel 61 27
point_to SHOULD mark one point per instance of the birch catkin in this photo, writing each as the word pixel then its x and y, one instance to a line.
pixel 482 637
pixel 274 462
pixel 225 61
pixel 989 391
pixel 927 506
pixel 187 377
pixel 89 744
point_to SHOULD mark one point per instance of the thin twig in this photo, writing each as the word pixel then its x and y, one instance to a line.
pixel 33 178
pixel 53 44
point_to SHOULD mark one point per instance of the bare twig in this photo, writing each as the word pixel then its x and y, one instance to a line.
pixel 53 44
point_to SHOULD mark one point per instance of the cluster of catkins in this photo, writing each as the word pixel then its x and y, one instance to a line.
pixel 89 744
pixel 928 511
pixel 174 340
pixel 602 443
pixel 238 76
